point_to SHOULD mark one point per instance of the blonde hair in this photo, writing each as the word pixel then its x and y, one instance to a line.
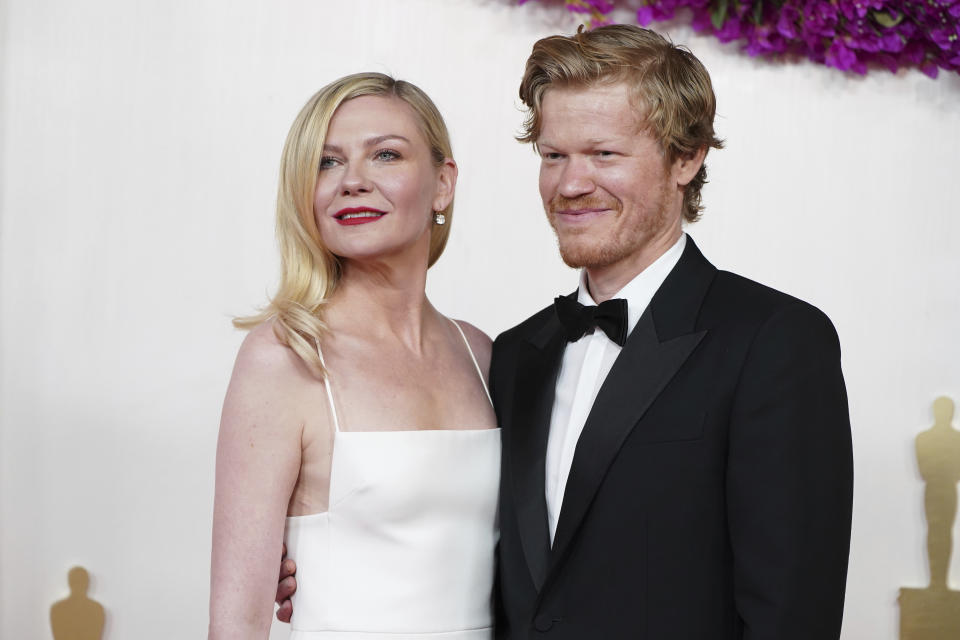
pixel 667 81
pixel 309 272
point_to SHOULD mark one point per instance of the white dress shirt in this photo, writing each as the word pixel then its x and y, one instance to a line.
pixel 584 367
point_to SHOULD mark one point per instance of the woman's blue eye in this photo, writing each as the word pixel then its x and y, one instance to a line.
pixel 327 162
pixel 387 154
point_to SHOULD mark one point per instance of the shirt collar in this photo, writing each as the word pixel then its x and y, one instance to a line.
pixel 639 291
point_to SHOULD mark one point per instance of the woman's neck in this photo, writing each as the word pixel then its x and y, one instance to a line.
pixel 384 300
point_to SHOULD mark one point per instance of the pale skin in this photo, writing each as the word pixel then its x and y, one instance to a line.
pixel 395 362
pixel 612 198
pixel 623 200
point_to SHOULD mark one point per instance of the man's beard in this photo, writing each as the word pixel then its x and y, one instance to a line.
pixel 583 249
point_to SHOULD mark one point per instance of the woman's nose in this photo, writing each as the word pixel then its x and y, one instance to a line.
pixel 355 180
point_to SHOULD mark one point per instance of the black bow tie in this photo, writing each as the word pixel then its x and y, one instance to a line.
pixel 579 320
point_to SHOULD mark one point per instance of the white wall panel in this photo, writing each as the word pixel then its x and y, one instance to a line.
pixel 138 165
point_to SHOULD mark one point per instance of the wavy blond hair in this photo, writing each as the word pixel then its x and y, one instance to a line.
pixel 668 82
pixel 309 272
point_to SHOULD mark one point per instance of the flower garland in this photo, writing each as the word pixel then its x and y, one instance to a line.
pixel 850 35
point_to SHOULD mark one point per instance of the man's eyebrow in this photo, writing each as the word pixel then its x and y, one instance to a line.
pixel 370 142
pixel 589 143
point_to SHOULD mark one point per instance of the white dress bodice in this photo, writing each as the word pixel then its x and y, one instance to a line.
pixel 406 548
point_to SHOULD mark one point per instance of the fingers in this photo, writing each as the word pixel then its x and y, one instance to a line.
pixel 285 611
pixel 283 553
pixel 285 589
pixel 287 568
pixel 286 586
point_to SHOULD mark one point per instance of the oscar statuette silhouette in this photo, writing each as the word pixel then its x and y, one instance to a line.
pixel 77 617
pixel 934 613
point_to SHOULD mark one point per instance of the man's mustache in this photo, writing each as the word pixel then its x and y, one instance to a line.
pixel 562 203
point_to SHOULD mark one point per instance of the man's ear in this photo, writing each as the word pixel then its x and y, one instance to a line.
pixel 685 167
pixel 446 185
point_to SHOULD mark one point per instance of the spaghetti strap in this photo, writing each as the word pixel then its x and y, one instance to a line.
pixel 326 385
pixel 472 357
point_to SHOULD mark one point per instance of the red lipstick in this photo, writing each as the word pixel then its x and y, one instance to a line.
pixel 358 215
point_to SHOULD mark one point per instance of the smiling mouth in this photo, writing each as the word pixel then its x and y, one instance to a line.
pixel 358 216
pixel 581 216
pixel 365 214
pixel 581 212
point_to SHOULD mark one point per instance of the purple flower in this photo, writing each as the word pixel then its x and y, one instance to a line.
pixel 787 23
pixel 852 9
pixel 588 6
pixel 601 5
pixel 846 34
pixel 929 69
pixel 732 30
pixel 914 52
pixel 888 61
pixel 645 15
pixel 701 22
pixel 891 41
pixel 840 57
pixel 945 38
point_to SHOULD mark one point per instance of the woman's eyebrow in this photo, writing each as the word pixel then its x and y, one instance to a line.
pixel 370 142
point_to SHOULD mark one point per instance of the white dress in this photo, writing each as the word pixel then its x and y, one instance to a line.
pixel 405 550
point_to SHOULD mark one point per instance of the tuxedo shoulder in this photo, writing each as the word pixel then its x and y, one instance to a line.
pixel 528 327
pixel 735 297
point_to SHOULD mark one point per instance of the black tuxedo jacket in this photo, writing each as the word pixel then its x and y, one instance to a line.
pixel 710 492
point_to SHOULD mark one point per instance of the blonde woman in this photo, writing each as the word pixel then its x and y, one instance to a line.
pixel 357 426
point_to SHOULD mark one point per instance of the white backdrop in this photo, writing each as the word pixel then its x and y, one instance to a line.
pixel 140 146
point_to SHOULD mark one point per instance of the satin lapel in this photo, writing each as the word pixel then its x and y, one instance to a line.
pixel 646 364
pixel 642 370
pixel 537 369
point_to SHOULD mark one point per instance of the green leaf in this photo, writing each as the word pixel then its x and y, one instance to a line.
pixel 718 13
pixel 886 20
pixel 758 12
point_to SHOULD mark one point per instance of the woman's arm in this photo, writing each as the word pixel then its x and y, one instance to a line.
pixel 258 460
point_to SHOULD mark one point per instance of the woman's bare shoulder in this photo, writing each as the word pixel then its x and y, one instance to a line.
pixel 269 379
pixel 263 355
